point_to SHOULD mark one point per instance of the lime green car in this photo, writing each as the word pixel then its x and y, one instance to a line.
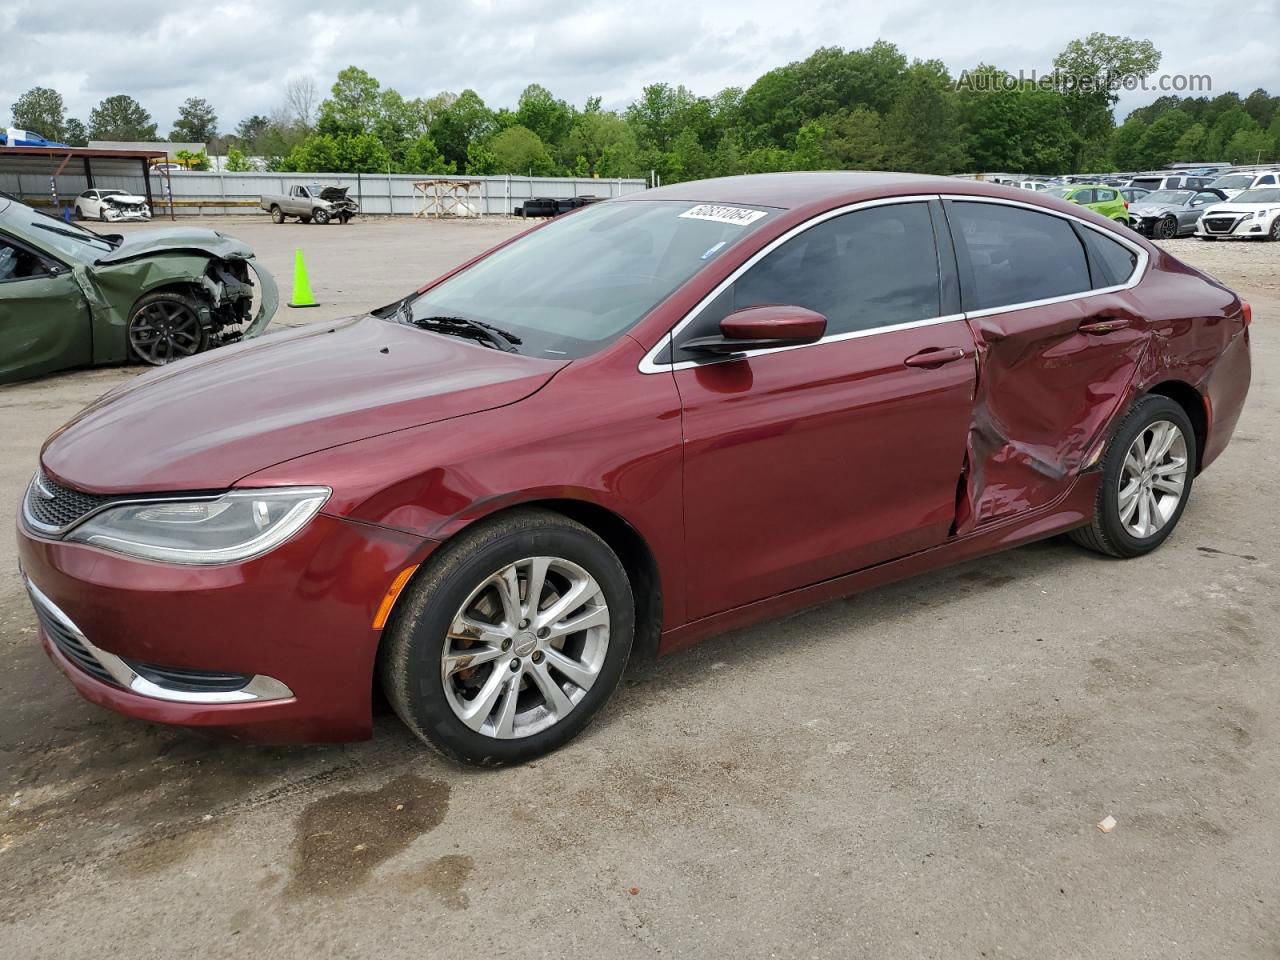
pixel 1104 200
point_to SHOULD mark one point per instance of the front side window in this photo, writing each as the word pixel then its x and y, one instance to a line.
pixel 870 268
pixel 17 263
pixel 584 279
pixel 1011 255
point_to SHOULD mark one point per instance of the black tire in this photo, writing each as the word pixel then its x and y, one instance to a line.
pixel 102 214
pixel 320 216
pixel 1274 233
pixel 165 326
pixel 277 215
pixel 304 219
pixel 1167 228
pixel 79 213
pixel 1106 533
pixel 413 644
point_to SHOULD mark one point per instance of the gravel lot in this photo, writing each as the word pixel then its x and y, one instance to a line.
pixel 915 772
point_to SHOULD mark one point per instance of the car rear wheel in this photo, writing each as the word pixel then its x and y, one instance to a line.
pixel 164 327
pixel 277 215
pixel 1146 479
pixel 1167 228
pixel 320 216
pixel 510 640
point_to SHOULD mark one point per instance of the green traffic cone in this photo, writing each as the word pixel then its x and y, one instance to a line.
pixel 301 285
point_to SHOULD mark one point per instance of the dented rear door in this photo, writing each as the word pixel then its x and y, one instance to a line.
pixel 1059 340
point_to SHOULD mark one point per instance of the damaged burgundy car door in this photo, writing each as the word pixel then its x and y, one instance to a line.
pixel 808 462
pixel 1059 339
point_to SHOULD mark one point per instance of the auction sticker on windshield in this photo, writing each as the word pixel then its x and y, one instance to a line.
pixel 738 216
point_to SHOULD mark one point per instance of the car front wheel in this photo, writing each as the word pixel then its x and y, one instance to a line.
pixel 510 639
pixel 1274 232
pixel 165 326
pixel 1146 479
pixel 320 216
pixel 1167 228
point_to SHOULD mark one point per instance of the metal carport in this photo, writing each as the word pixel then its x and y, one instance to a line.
pixel 52 176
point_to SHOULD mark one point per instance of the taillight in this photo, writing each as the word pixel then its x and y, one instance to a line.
pixel 1246 312
pixel 1126 204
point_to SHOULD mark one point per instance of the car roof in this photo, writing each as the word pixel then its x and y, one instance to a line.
pixel 788 191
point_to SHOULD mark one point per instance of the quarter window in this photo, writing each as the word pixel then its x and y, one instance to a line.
pixel 869 268
pixel 1015 255
pixel 1113 262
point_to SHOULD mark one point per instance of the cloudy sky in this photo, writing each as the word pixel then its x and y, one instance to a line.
pixel 237 53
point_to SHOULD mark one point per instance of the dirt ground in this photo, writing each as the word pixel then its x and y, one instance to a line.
pixel 915 772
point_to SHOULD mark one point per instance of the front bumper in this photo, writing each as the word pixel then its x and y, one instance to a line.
pixel 1232 226
pixel 116 215
pixel 296 623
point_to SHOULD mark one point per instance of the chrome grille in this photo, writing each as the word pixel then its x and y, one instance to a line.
pixel 53 508
pixel 1220 224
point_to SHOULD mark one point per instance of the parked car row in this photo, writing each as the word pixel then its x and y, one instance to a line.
pixel 1166 205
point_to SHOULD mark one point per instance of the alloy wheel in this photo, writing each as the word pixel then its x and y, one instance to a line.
pixel 1168 228
pixel 525 647
pixel 1153 479
pixel 163 331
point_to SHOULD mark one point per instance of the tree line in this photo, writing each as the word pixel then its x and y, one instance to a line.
pixel 868 108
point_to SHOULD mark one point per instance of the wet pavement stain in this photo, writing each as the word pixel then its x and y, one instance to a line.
pixel 444 877
pixel 343 837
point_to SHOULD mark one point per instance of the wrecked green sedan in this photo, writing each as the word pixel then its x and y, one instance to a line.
pixel 71 298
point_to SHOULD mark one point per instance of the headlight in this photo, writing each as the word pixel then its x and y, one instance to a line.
pixel 236 526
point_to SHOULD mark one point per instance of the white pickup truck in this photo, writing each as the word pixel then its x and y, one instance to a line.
pixel 310 203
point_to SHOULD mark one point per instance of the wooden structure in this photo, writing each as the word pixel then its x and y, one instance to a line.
pixel 445 197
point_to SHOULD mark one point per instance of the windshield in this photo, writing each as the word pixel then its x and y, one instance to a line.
pixel 69 240
pixel 581 281
pixel 1236 181
pixel 1168 196
pixel 1259 195
pixel 1146 182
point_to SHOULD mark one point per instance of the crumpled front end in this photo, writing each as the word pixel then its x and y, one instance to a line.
pixel 121 209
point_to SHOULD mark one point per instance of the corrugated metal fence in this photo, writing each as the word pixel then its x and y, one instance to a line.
pixel 210 194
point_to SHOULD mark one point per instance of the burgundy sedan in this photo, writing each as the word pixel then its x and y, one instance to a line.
pixel 641 423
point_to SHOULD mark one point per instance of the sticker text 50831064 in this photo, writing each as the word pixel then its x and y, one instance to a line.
pixel 739 216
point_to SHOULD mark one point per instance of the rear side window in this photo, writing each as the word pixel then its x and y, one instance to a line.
pixel 1104 196
pixel 1015 255
pixel 870 268
pixel 1113 262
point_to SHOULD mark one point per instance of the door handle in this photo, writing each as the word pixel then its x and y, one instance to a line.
pixel 935 357
pixel 1104 325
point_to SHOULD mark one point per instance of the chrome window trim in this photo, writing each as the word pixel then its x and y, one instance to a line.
pixel 259 688
pixel 649 365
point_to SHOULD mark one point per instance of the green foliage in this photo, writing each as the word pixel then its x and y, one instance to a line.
pixel 459 125
pixel 237 162
pixel 121 118
pixel 74 134
pixel 421 156
pixel 41 111
pixel 1091 72
pixel 354 105
pixel 197 160
pixel 196 123
pixel 519 150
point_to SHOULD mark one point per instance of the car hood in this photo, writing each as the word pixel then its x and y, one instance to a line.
pixel 1152 209
pixel 124 198
pixel 145 243
pixel 206 422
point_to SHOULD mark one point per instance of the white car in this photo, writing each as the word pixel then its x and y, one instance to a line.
pixel 111 205
pixel 1039 186
pixel 1233 183
pixel 1250 214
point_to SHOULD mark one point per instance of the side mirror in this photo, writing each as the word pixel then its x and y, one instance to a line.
pixel 762 328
